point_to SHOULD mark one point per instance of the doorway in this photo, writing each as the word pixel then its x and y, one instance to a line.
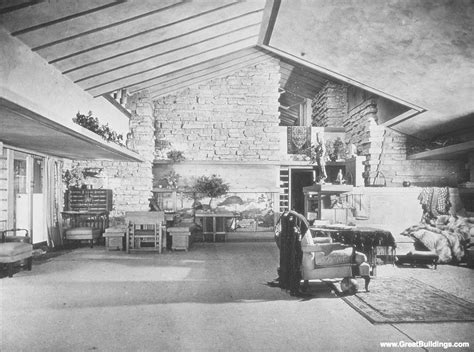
pixel 26 197
pixel 300 177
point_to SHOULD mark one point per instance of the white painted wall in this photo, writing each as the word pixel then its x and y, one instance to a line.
pixel 29 81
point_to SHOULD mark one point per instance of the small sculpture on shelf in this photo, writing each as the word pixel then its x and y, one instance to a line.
pixel 320 158
pixel 340 178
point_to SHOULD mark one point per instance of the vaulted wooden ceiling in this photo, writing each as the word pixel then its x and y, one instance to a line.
pixel 163 46
pixel 105 45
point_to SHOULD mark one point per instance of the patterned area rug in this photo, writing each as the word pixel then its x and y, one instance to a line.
pixel 407 300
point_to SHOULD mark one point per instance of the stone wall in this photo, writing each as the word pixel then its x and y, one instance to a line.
pixel 231 118
pixel 386 151
pixel 329 106
pixel 3 188
pixel 131 182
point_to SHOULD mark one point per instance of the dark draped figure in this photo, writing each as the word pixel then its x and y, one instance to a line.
pixel 293 227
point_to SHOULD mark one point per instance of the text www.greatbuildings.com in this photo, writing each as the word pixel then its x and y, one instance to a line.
pixel 425 344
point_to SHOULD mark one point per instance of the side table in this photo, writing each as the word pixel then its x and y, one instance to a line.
pixel 114 237
pixel 180 238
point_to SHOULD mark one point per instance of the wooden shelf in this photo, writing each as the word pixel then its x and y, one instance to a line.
pixel 327 188
pixel 449 152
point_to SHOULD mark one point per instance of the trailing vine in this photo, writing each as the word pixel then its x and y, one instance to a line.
pixel 92 124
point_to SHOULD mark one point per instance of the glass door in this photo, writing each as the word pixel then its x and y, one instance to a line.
pixel 28 195
pixel 21 192
pixel 39 231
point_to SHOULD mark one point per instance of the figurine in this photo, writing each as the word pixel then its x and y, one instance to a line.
pixel 320 152
pixel 340 178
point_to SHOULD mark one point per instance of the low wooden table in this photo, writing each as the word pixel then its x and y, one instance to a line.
pixel 217 224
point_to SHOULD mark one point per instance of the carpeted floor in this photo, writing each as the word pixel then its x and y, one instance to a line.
pixel 407 300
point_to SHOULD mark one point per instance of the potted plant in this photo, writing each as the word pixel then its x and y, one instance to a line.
pixel 74 178
pixel 171 179
pixel 339 150
pixel 175 155
pixel 209 186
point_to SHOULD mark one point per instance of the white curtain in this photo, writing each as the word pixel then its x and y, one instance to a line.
pixel 53 201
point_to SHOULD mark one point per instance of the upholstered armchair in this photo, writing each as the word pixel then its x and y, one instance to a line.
pixel 14 249
pixel 304 258
pixel 323 259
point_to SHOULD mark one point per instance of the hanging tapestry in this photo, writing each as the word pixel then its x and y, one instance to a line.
pixel 299 139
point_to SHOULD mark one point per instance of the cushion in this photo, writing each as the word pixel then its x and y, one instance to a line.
pixel 317 240
pixel 307 239
pixel 82 233
pixel 307 262
pixel 14 251
pixel 423 254
pixel 339 256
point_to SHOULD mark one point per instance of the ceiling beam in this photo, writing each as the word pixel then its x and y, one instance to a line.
pixel 80 13
pixel 200 71
pixel 269 19
pixel 163 50
pixel 111 17
pixel 8 6
pixel 209 64
pixel 205 77
pixel 158 30
pixel 166 59
pixel 171 66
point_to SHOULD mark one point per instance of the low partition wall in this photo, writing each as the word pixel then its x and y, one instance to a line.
pixel 393 208
pixel 253 190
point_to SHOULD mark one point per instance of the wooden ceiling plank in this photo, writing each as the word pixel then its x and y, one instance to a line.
pixel 237 55
pixel 133 80
pixel 218 72
pixel 47 11
pixel 164 48
pixel 199 71
pixel 66 18
pixel 270 16
pixel 166 59
pixel 111 17
pixel 174 25
pixel 204 78
pixel 9 6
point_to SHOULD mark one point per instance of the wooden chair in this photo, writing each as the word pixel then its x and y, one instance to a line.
pixel 145 231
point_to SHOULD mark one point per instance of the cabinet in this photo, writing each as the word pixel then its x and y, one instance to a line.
pixel 166 199
pixel 89 200
pixel 317 202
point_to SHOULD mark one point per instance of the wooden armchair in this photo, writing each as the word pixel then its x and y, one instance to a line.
pixel 145 231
